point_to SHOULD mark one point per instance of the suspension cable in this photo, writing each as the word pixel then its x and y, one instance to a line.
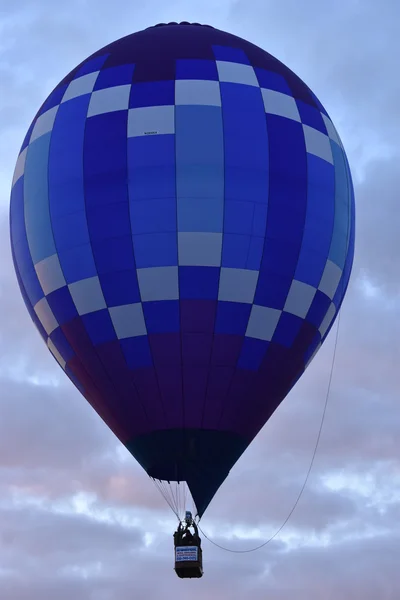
pixel 309 468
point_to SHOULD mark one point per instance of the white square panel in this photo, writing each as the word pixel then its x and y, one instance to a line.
pixel 202 91
pixel 44 123
pixel 151 120
pixel 276 103
pixel 232 72
pixel 330 279
pixel 318 143
pixel 50 275
pixel 333 134
pixel 158 283
pixel 128 320
pixel 199 249
pixel 56 353
pixel 87 295
pixel 46 316
pixel 109 100
pixel 299 298
pixel 262 322
pixel 80 86
pixel 20 165
pixel 237 285
pixel 328 319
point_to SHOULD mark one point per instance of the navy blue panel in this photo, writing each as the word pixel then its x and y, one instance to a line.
pixel 311 116
pixel 156 250
pixel 152 93
pixel 272 290
pixel 162 316
pixel 62 305
pixel 318 309
pixel 120 287
pixel 254 256
pixel 198 282
pixel 232 317
pixel 312 347
pixel 137 352
pixel 229 54
pixel 111 220
pixel 114 254
pixel 113 76
pixel 287 329
pixel 272 81
pixel 99 327
pixel 92 65
pixel 105 156
pixel 252 354
pixel 196 69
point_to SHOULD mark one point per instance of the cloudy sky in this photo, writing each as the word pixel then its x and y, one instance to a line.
pixel 78 518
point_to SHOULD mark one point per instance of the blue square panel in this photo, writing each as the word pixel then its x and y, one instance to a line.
pixel 196 68
pixel 311 116
pixel 152 93
pixel 232 317
pixel 162 316
pixel 62 305
pixel 113 76
pixel 137 352
pixel 226 53
pixel 77 263
pixel 99 327
pixel 108 221
pixel 156 250
pixel 272 290
pixel 287 329
pixel 272 81
pixel 318 309
pixel 114 254
pixel 120 288
pixel 199 283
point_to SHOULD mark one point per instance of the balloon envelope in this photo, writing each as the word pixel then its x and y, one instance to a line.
pixel 182 226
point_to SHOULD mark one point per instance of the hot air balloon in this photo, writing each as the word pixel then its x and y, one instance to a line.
pixel 182 229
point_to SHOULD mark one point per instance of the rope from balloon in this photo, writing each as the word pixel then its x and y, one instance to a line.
pixel 314 454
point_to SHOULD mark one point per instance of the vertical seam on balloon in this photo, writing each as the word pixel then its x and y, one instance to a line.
pixel 179 279
pixel 220 266
pixel 265 236
pixel 134 258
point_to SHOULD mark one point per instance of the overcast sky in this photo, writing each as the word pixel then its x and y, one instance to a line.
pixel 78 518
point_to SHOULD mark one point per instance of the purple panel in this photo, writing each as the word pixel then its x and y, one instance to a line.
pixel 136 417
pixel 146 383
pixel 196 349
pixel 194 391
pixel 198 315
pixel 165 348
pixel 219 381
pixel 226 349
pixel 236 411
pixel 80 342
pixel 95 399
pixel 170 383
